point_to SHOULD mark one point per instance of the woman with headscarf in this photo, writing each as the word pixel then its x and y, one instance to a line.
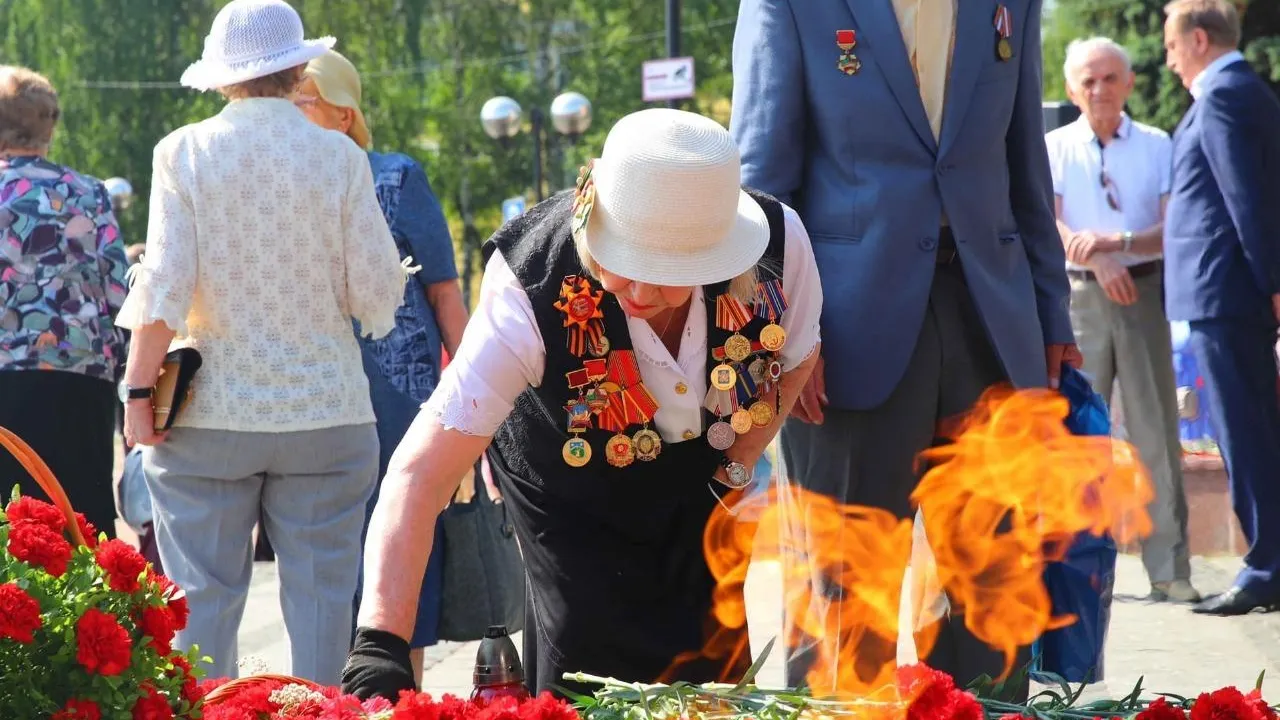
pixel 265 240
pixel 636 345
pixel 404 366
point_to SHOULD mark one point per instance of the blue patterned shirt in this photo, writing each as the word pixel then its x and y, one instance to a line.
pixel 409 357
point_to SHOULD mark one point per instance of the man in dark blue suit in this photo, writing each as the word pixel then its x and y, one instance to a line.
pixel 1222 271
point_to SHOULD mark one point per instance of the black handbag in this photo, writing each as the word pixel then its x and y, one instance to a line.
pixel 173 387
pixel 483 574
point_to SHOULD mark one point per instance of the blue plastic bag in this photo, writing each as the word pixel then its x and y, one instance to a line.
pixel 1083 582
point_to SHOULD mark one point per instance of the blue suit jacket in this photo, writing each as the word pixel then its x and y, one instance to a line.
pixel 854 155
pixel 1222 226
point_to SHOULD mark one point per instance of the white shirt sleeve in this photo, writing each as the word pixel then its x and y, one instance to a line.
pixel 803 288
pixel 165 282
pixel 501 354
pixel 1056 169
pixel 1164 163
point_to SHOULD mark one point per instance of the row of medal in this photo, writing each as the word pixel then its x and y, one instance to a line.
pixel 849 64
pixel 612 396
pixel 748 372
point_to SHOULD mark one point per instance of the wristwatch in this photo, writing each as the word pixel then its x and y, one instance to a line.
pixel 1126 239
pixel 128 393
pixel 738 475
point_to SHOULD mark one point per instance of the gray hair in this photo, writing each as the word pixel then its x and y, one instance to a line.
pixel 1079 50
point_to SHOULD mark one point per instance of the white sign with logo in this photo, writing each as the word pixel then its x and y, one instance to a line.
pixel 667 79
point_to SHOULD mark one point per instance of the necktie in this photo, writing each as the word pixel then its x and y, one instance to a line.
pixel 935 20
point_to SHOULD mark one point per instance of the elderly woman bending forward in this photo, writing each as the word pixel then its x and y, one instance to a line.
pixel 634 351
pixel 265 240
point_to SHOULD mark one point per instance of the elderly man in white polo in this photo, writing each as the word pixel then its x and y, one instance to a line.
pixel 1111 178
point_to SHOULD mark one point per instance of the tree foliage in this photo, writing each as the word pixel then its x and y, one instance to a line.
pixel 428 66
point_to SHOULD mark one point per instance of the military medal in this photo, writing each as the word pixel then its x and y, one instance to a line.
pixel 740 421
pixel 720 435
pixel 648 444
pixel 723 377
pixel 579 303
pixel 761 414
pixel 619 451
pixel 773 337
pixel 737 348
pixel 576 452
pixel 599 347
pixel 756 370
pixel 849 64
pixel 1004 31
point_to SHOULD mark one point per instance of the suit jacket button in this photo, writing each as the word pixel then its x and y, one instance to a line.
pixel 689 435
pixel 928 244
pixel 681 388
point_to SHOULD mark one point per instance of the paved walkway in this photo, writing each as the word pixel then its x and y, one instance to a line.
pixel 1175 650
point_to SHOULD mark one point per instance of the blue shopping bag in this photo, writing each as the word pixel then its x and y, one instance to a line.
pixel 1083 582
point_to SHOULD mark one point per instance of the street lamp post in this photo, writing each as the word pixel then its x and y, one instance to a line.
pixel 570 116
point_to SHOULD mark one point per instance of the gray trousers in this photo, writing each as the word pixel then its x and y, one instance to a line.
pixel 209 488
pixel 1132 344
pixel 869 458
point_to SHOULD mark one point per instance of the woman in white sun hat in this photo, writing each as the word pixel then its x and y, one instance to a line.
pixel 265 239
pixel 636 344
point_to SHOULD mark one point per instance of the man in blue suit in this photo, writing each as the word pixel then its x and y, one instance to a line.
pixel 1222 271
pixel 909 136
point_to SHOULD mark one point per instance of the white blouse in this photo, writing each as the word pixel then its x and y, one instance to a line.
pixel 265 239
pixel 502 351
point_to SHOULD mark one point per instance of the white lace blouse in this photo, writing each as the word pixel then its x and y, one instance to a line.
pixel 502 351
pixel 264 240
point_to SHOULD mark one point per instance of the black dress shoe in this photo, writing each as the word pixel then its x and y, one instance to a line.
pixel 1237 601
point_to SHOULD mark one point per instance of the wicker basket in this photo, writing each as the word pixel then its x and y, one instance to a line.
pixel 40 472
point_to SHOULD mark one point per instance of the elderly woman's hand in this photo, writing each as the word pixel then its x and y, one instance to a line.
pixel 139 424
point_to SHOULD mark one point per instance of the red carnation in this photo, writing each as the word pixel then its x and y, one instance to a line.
pixel 87 529
pixel 19 614
pixel 102 645
pixel 25 508
pixel 35 543
pixel 1264 710
pixel 416 706
pixel 152 706
pixel 191 689
pixel 1162 710
pixel 933 695
pixel 1225 704
pixel 79 710
pixel 157 624
pixel 173 596
pixel 547 707
pixel 123 564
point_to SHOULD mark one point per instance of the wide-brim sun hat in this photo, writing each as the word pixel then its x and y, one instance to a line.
pixel 252 39
pixel 664 203
pixel 338 83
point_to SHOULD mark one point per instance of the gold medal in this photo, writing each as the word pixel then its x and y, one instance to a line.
pixel 721 436
pixel 1004 50
pixel 723 377
pixel 761 414
pixel 773 337
pixel 741 421
pixel 619 451
pixel 648 444
pixel 737 348
pixel 576 452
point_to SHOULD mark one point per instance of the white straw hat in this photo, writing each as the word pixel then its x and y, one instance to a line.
pixel 252 39
pixel 668 208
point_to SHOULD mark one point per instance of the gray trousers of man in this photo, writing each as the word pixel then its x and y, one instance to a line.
pixel 208 490
pixel 1132 344
pixel 869 458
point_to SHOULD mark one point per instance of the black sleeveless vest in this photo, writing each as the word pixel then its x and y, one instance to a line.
pixel 617 581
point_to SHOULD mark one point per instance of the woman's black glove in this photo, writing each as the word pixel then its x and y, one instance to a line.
pixel 378 665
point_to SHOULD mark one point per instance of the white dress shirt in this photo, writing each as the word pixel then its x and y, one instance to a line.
pixel 1212 69
pixel 1139 164
pixel 265 239
pixel 503 352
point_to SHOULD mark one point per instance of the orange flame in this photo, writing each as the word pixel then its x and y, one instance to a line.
pixel 1004 498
